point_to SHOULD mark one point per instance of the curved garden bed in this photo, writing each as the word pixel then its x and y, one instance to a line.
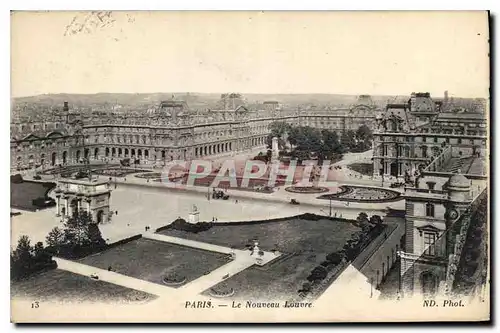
pixel 117 172
pixel 149 175
pixel 363 194
pixel 174 280
pixel 136 296
pixel 306 189
pixel 221 292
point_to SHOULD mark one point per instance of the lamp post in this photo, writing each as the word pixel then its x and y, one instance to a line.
pixel 399 275
pixel 371 287
pixel 330 207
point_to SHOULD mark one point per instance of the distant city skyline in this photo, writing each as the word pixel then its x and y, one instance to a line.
pixel 251 52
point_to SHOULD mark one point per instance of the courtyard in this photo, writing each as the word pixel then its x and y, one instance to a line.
pixel 304 244
pixel 63 286
pixel 153 261
pixel 140 204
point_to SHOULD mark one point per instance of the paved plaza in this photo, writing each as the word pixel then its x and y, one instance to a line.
pixel 140 203
pixel 137 203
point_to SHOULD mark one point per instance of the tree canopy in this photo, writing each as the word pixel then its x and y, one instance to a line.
pixel 79 236
pixel 307 142
pixel 26 260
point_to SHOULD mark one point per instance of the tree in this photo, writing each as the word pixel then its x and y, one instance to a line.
pixel 364 133
pixel 362 221
pixel 94 235
pixel 26 260
pixel 375 220
pixel 55 237
pixel 38 248
pixel 80 237
pixel 23 249
pixel 278 129
pixel 331 144
pixel 347 140
pixel 75 228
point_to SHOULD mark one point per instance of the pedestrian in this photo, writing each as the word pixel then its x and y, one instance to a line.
pixel 116 212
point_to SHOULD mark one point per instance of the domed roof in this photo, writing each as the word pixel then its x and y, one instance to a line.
pixel 458 180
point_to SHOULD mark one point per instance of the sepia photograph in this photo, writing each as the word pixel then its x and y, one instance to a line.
pixel 249 166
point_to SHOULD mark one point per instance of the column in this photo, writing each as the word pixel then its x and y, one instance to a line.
pixel 66 212
pixel 58 206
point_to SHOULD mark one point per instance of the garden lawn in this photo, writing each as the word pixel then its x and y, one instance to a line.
pixel 62 286
pixel 23 194
pixel 305 244
pixel 362 168
pixel 152 260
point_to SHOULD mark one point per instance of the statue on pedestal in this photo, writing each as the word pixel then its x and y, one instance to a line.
pixel 194 215
pixel 274 149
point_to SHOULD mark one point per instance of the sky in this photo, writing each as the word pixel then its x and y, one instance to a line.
pixel 377 53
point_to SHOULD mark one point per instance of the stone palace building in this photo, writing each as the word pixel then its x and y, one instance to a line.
pixel 441 154
pixel 167 131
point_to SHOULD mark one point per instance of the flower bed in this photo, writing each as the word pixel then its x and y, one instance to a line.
pixel 363 194
pixel 149 175
pixel 221 292
pixel 116 172
pixel 174 280
pixel 306 189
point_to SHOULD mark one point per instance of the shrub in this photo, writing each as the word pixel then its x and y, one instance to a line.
pixel 318 274
pixel 181 224
pixel 334 258
pixel 306 287
pixel 362 220
pixel 42 202
pixel 331 267
pixel 325 263
pixel 49 185
pixel 16 179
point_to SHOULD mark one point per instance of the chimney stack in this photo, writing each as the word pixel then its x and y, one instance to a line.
pixel 66 107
